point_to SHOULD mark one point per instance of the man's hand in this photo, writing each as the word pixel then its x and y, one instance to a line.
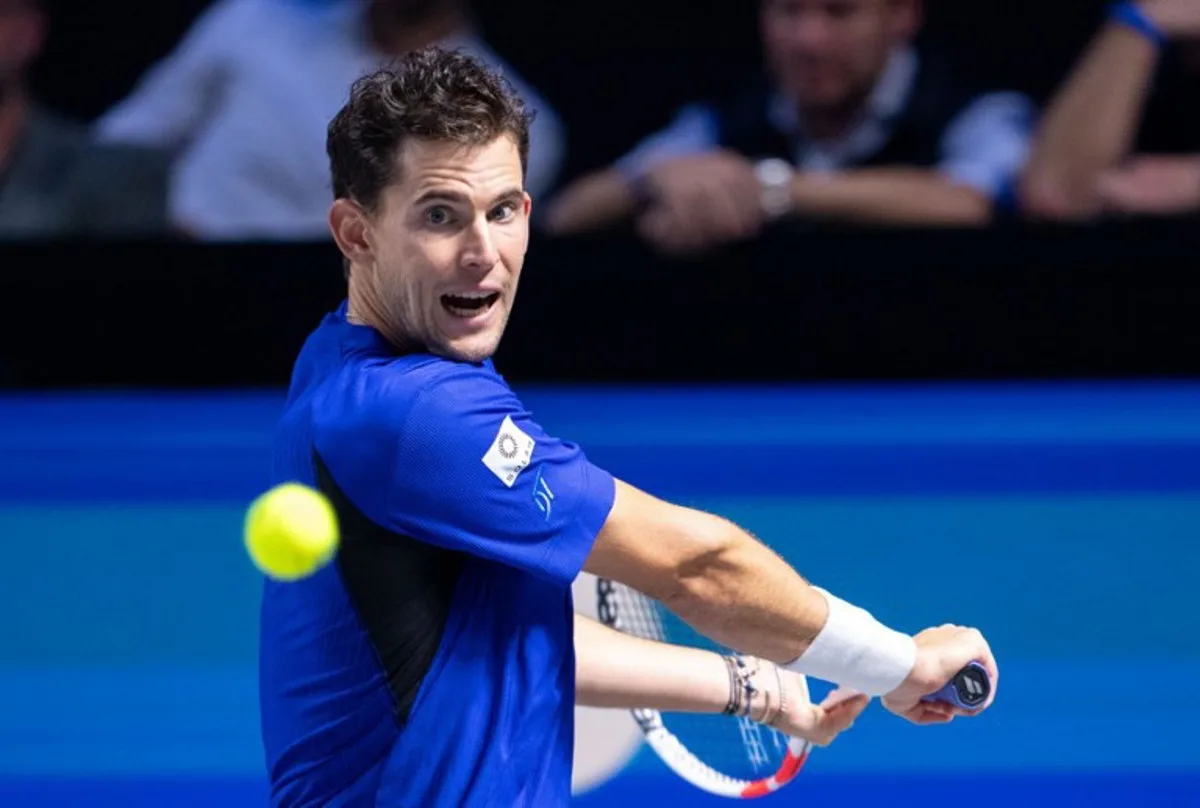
pixel 1153 185
pixel 941 653
pixel 702 201
pixel 817 723
pixel 822 723
pixel 1177 19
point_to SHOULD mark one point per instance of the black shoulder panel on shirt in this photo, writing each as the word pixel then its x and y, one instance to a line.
pixel 401 588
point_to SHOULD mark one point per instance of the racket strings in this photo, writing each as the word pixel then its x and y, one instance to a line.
pixel 752 740
pixel 636 614
pixel 739 747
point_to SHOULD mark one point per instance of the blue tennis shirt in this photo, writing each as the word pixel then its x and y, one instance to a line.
pixel 432 663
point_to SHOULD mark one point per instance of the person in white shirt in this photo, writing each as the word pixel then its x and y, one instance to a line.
pixel 244 100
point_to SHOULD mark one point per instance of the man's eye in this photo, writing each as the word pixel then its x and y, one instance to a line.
pixel 438 216
pixel 502 213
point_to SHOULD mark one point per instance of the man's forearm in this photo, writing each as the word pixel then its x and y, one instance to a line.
pixel 711 573
pixel 595 201
pixel 617 670
pixel 736 591
pixel 892 196
pixel 1090 125
pixel 745 597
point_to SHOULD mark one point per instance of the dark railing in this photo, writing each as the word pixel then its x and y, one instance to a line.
pixel 1012 302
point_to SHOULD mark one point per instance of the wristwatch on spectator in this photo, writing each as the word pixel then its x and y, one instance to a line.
pixel 775 177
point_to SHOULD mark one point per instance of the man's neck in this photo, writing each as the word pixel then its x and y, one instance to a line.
pixel 885 95
pixel 360 306
pixel 14 112
pixel 363 308
pixel 834 122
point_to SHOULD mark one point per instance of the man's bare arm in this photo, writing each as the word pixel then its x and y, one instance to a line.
pixel 891 196
pixel 1092 122
pixel 733 589
pixel 617 670
pixel 1161 185
pixel 1089 126
pixel 711 573
pixel 620 671
pixel 597 200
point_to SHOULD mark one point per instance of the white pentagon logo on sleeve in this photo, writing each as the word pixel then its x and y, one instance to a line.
pixel 509 453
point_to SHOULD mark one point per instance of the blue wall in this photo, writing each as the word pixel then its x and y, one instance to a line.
pixel 1061 520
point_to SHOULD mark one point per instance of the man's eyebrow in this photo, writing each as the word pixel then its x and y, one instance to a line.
pixel 513 194
pixel 440 195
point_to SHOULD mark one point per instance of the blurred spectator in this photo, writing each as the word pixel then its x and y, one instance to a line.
pixel 855 123
pixel 53 180
pixel 1081 165
pixel 244 101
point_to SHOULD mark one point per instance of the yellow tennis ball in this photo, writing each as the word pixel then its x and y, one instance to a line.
pixel 291 531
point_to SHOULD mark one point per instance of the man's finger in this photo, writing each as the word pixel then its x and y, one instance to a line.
pixel 924 715
pixel 989 663
pixel 840 695
pixel 854 705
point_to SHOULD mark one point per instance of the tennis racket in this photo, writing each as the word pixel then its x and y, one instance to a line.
pixel 729 756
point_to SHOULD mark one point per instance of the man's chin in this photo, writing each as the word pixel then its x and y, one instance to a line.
pixel 473 349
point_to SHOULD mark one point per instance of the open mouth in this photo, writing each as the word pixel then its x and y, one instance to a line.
pixel 470 305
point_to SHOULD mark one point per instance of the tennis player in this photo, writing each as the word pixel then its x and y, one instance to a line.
pixel 434 664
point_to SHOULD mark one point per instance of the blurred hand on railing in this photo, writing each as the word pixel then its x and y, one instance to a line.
pixel 701 201
pixel 1162 185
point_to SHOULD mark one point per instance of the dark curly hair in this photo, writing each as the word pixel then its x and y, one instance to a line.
pixel 430 94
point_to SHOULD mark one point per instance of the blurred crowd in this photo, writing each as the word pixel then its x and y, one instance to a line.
pixel 855 120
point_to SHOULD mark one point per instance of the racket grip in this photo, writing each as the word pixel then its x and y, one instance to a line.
pixel 969 688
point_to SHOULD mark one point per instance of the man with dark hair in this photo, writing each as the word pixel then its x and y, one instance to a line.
pixel 434 663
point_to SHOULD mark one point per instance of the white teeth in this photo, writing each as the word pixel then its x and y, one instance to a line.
pixel 468 313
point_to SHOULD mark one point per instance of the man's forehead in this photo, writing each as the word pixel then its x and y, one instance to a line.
pixel 432 164
pixel 443 155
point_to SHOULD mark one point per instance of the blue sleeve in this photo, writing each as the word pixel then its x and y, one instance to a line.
pixel 473 472
pixel 692 131
pixel 986 146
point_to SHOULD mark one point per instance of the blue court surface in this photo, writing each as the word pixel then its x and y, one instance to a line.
pixel 1063 520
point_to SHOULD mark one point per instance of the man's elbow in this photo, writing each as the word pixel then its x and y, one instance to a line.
pixel 1053 199
pixel 701 574
pixel 672 553
pixel 973 209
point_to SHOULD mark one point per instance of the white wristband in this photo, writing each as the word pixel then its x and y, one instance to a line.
pixel 857 651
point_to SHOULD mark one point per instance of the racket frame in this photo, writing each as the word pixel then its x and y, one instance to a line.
pixel 674 753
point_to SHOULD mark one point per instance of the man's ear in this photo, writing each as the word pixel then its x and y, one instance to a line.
pixel 348 223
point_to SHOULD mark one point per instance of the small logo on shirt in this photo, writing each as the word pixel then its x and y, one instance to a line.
pixel 543 497
pixel 507 446
pixel 509 453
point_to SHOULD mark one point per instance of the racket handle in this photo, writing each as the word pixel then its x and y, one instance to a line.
pixel 969 688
